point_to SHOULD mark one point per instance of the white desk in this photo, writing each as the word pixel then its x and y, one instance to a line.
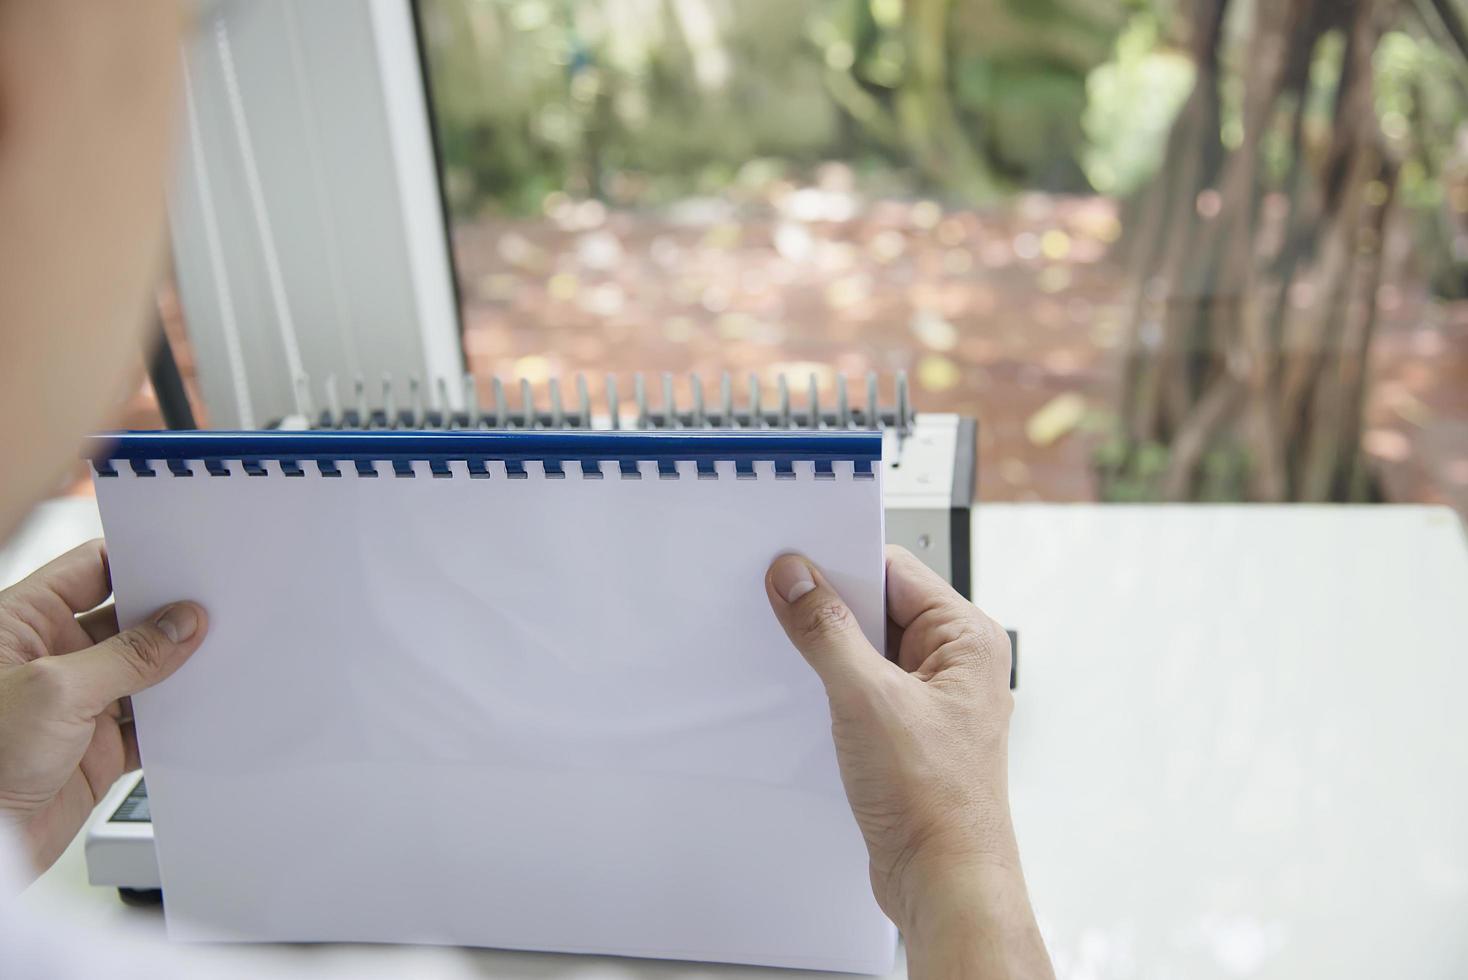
pixel 1239 747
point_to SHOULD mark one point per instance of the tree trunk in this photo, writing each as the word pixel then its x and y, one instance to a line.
pixel 1252 302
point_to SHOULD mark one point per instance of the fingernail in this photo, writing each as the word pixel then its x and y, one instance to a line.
pixel 178 622
pixel 791 577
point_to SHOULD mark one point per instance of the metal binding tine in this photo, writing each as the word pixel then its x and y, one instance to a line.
pixel 874 415
pixel 445 407
pixel 471 401
pixel 333 403
pixel 639 393
pixel 500 415
pixel 785 417
pixel 726 401
pixel 815 403
pixel 670 408
pixel 614 403
pixel 415 402
pixel 903 409
pixel 756 416
pixel 389 416
pixel 843 407
pixel 698 420
pixel 303 398
pixel 527 404
pixel 583 402
pixel 558 414
pixel 359 394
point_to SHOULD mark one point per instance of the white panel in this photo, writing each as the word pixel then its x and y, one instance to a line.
pixel 323 195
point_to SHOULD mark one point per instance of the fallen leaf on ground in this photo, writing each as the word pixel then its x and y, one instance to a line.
pixel 1056 418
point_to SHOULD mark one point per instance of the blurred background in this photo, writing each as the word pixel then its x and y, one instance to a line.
pixel 1162 249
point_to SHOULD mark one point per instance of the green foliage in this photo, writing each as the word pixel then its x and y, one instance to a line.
pixel 1131 474
pixel 1225 475
pixel 638 100
pixel 1135 475
pixel 1020 70
pixel 1422 105
pixel 1133 100
pixel 533 97
pixel 645 101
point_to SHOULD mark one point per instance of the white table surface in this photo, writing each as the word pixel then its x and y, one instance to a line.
pixel 1239 747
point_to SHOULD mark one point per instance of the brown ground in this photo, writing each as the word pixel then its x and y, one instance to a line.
pixel 996 314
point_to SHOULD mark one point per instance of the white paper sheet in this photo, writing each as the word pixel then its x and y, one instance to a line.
pixel 533 713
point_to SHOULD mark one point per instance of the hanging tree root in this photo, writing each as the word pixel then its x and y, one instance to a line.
pixel 1252 309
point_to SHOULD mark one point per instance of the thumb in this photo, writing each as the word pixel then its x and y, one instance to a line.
pixel 821 625
pixel 135 658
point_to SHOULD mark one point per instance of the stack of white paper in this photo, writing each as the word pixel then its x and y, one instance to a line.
pixel 548 713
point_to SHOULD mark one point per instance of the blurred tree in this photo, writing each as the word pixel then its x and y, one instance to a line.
pixel 1257 255
pixel 974 97
pixel 1021 69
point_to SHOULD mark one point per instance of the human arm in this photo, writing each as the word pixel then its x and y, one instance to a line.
pixel 922 739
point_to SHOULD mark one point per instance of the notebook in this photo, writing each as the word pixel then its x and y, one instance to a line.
pixel 505 689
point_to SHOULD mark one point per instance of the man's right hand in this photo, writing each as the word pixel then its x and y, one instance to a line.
pixel 922 740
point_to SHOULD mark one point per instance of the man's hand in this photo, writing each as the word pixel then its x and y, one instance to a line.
pixel 66 731
pixel 922 740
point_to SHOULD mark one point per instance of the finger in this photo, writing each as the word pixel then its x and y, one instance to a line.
pixel 939 626
pixel 914 589
pixel 134 659
pixel 100 623
pixel 102 763
pixel 78 578
pixel 821 625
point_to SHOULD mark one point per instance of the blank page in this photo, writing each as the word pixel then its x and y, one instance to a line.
pixel 512 691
